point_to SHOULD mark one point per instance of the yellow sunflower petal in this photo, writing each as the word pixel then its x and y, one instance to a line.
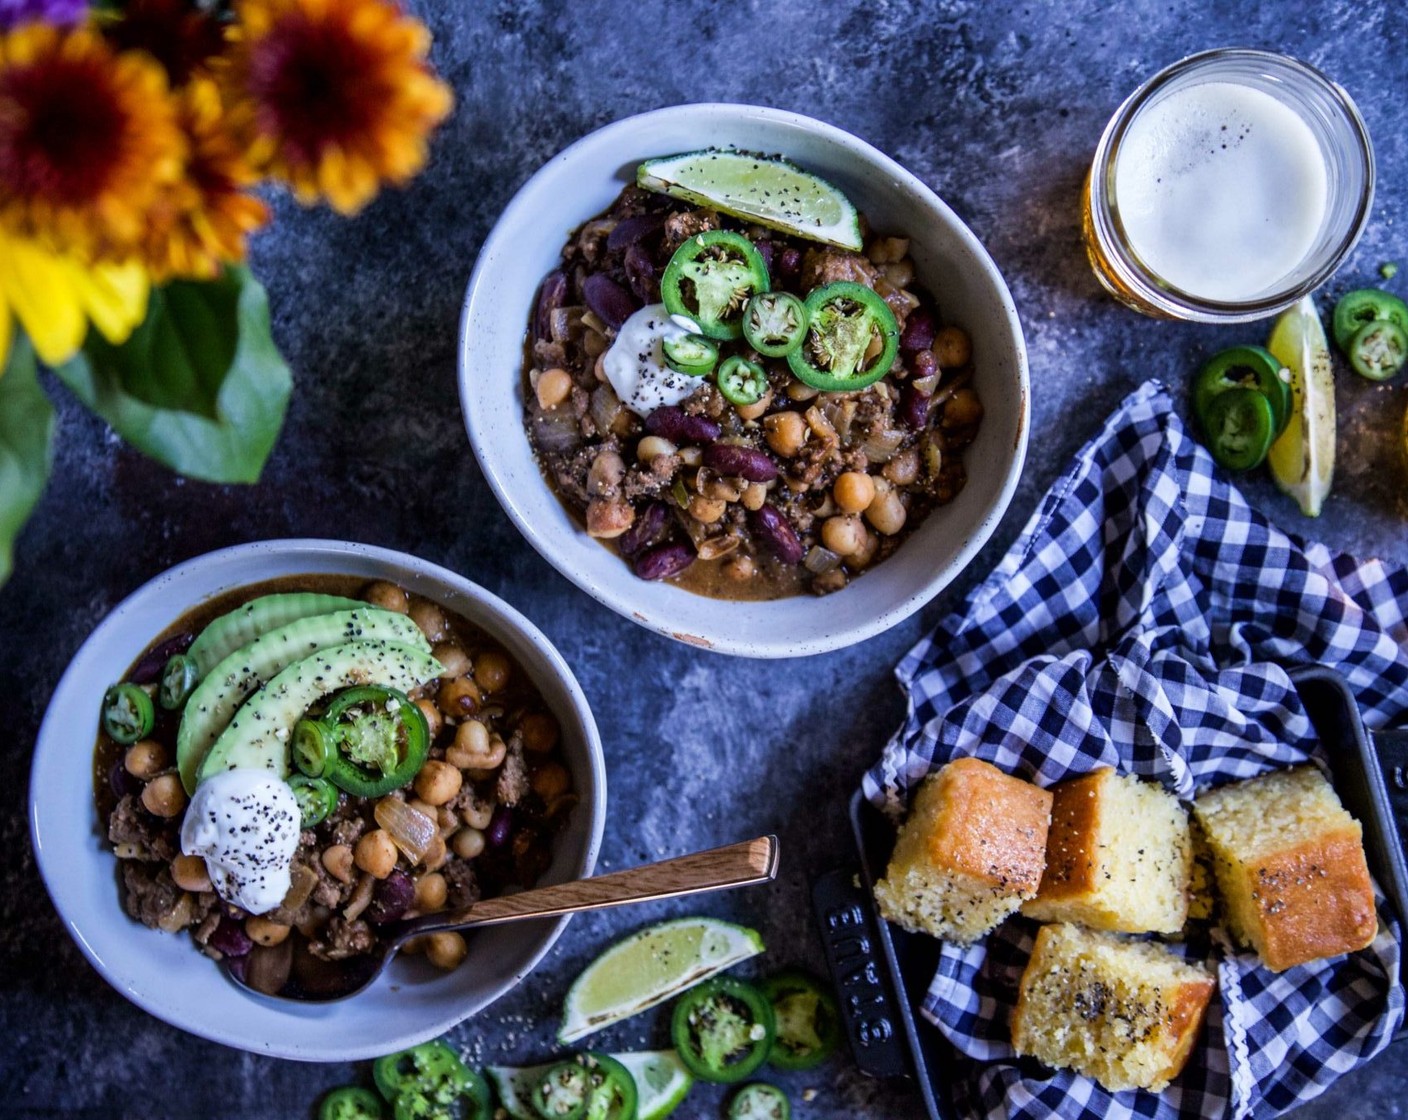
pixel 38 285
pixel 114 295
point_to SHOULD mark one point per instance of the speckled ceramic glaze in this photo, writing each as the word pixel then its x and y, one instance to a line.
pixel 582 181
pixel 164 973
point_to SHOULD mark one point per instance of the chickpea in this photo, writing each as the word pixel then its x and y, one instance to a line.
pixel 843 534
pixel 963 409
pixel 740 569
pixel 264 932
pixel 887 513
pixel 459 698
pixel 437 783
pixel 424 808
pixel 474 748
pixel 431 620
pixel 446 819
pixel 434 721
pixel 445 950
pixel 467 843
pixel 594 343
pixel 691 456
pixel 853 491
pixel 375 853
pixel 145 759
pixel 436 854
pixel 491 670
pixel 707 511
pixel 756 409
pixel 387 596
pixel 953 348
pixel 652 447
pixel 164 796
pixel 338 861
pixel 550 780
pixel 866 553
pixel 607 520
pixel 190 874
pixel 453 658
pixel 605 474
pixel 785 432
pixel 754 495
pixel 554 386
pixel 903 469
pixel 430 892
pixel 540 732
pixel 800 391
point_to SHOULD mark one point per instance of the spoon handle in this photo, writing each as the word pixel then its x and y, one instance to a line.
pixel 737 865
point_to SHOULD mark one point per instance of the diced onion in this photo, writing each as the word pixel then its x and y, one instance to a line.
pixel 880 447
pixel 361 898
pixel 820 560
pixel 555 430
pixel 605 407
pixel 411 830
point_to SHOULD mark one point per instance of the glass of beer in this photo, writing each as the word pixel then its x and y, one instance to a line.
pixel 1227 187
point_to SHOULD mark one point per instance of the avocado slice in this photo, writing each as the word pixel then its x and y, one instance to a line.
pixel 258 735
pixel 242 625
pixel 225 687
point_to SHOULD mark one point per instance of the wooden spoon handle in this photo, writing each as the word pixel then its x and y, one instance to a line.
pixel 737 865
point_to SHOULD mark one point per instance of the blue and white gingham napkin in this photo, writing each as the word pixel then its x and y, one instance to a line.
pixel 1145 620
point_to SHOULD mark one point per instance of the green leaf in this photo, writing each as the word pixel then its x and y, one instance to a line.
pixel 26 446
pixel 250 407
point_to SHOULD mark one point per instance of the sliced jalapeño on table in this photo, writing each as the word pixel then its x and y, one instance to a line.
pixel 723 1029
pixel 808 1020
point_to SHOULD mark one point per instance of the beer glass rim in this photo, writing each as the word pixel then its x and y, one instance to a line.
pixel 1149 287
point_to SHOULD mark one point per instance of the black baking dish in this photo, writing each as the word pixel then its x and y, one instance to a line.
pixel 881 972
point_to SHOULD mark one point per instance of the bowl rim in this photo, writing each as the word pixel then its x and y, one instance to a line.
pixel 778 643
pixel 301 1040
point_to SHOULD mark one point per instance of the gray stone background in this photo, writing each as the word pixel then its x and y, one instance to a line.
pixel 997 106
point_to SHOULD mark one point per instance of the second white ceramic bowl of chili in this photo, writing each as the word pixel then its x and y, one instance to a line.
pixel 581 182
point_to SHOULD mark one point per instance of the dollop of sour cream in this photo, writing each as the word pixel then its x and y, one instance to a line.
pixel 245 824
pixel 635 362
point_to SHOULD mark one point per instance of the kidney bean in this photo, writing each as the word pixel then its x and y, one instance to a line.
pixel 230 938
pixel 675 424
pixel 664 560
pixel 768 251
pixel 789 264
pixel 745 462
pixel 642 275
pixel 148 668
pixel 611 302
pixel 551 296
pixel 919 329
pixel 631 230
pixel 922 363
pixel 391 898
pixel 914 407
pixel 777 533
pixel 645 530
pixel 123 783
pixel 497 832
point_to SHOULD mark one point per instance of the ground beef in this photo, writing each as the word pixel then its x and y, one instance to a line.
pixel 347 830
pixel 148 837
pixel 650 480
pixel 828 266
pixel 512 785
pixel 152 898
pixel 461 885
pixel 680 227
pixel 342 939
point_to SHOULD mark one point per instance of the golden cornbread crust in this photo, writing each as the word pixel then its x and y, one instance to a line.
pixel 1118 856
pixel 1126 1013
pixel 1290 867
pixel 973 848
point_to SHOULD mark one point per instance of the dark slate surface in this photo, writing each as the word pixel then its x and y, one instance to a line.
pixel 998 106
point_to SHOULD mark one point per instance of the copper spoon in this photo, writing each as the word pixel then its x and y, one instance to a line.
pixel 266 971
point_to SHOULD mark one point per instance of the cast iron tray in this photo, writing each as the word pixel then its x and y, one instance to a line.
pixel 881 972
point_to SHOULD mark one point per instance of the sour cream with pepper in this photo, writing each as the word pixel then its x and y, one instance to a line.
pixel 245 825
pixel 635 363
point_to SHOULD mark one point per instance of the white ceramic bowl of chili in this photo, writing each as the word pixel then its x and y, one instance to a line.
pixel 582 181
pixel 166 974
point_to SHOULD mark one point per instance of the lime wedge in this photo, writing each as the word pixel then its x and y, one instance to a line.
pixel 661 1081
pixel 1302 459
pixel 514 1085
pixel 650 967
pixel 762 189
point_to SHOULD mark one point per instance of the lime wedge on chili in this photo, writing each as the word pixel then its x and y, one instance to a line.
pixel 650 967
pixel 662 1082
pixel 1302 460
pixel 757 188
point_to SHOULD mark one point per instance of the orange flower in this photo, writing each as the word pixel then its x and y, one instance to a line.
pixel 333 96
pixel 202 221
pixel 87 140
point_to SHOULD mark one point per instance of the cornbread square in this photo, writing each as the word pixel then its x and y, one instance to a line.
pixel 1123 1012
pixel 972 850
pixel 1290 867
pixel 1118 856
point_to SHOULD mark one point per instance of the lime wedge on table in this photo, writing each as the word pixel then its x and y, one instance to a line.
pixel 661 1082
pixel 650 967
pixel 1302 460
pixel 762 189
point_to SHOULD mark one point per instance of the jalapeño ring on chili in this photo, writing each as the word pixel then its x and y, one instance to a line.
pixel 775 323
pixel 723 1029
pixel 846 320
pixel 742 382
pixel 373 756
pixel 710 280
pixel 691 354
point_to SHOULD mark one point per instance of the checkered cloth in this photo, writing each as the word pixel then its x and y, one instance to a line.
pixel 1144 620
